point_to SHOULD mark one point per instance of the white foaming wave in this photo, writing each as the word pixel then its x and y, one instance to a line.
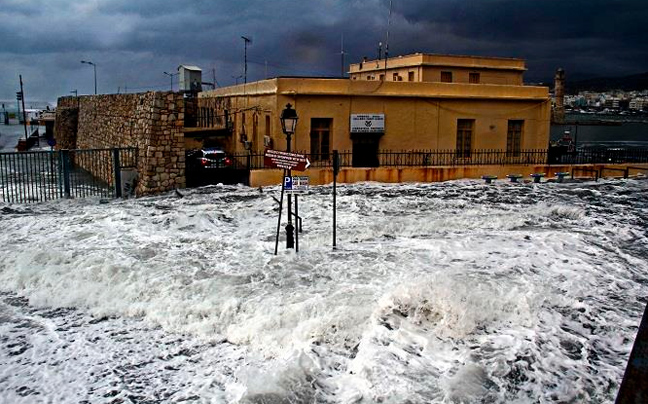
pixel 416 335
pixel 204 268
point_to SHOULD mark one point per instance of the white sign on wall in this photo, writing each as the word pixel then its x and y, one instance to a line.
pixel 367 123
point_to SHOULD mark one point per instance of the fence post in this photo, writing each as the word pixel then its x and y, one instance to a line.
pixel 117 173
pixel 65 164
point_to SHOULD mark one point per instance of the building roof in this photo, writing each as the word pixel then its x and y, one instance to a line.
pixel 365 88
pixel 441 60
pixel 189 67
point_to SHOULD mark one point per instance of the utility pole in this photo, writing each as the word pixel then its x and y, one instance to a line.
pixel 22 97
pixel 171 77
pixel 246 41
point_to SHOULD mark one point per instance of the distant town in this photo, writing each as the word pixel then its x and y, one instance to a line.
pixel 609 102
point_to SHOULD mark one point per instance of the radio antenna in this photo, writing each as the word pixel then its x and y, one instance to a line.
pixel 387 39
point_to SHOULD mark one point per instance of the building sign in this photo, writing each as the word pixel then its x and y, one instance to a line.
pixel 296 184
pixel 367 123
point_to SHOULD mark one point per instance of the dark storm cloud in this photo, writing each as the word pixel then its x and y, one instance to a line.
pixel 134 41
pixel 536 20
pixel 548 31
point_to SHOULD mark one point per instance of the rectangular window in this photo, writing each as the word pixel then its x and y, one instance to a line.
pixel 320 138
pixel 514 138
pixel 465 128
pixel 395 76
pixel 473 78
pixel 446 77
pixel 410 76
pixel 267 125
pixel 382 77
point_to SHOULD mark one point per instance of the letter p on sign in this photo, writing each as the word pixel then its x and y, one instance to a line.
pixel 288 183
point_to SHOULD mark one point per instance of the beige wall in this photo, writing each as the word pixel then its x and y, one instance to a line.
pixel 248 106
pixel 417 115
pixel 461 75
pixel 428 68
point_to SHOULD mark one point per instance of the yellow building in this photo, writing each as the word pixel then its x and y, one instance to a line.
pixel 435 102
pixel 422 67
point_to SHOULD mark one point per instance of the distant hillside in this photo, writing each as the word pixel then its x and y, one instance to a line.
pixel 627 83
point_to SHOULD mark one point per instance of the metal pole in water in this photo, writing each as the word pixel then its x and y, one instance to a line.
pixel 296 223
pixel 336 168
pixel 280 210
pixel 634 387
pixel 290 238
pixel 117 173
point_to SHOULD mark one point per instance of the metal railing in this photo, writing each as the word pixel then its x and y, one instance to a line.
pixel 36 176
pixel 423 158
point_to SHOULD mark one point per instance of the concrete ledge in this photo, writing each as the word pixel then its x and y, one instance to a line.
pixel 322 176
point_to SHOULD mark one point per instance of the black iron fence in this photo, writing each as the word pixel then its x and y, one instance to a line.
pixel 422 158
pixel 36 176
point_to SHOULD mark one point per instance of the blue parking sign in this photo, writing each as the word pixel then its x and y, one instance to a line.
pixel 288 183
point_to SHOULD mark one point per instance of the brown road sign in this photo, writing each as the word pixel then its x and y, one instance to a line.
pixel 285 160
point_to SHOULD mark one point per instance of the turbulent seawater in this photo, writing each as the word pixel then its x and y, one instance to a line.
pixel 454 292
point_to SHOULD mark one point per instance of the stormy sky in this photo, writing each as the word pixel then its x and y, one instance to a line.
pixel 133 42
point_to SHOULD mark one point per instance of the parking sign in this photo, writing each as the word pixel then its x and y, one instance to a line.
pixel 288 183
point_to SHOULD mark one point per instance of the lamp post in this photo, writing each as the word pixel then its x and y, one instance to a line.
pixel 289 120
pixel 94 66
pixel 171 77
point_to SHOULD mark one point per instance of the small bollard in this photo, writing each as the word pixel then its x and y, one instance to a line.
pixel 537 177
pixel 514 177
pixel 489 178
pixel 561 176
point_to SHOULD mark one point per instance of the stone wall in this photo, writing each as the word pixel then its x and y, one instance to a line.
pixel 151 121
pixel 66 124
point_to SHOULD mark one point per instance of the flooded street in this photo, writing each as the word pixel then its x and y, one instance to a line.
pixel 448 292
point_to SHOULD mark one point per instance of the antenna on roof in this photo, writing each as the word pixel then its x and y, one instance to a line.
pixel 387 39
pixel 342 55
pixel 246 40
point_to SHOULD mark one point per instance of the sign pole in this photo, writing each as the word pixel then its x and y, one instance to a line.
pixel 290 240
pixel 296 224
pixel 336 168
pixel 283 184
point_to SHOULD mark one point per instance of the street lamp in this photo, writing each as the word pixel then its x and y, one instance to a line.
pixel 171 76
pixel 289 120
pixel 94 66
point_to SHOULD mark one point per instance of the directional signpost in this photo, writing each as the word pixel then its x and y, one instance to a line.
pixel 285 160
pixel 291 185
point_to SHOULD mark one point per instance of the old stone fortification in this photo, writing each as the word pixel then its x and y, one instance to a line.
pixel 150 121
